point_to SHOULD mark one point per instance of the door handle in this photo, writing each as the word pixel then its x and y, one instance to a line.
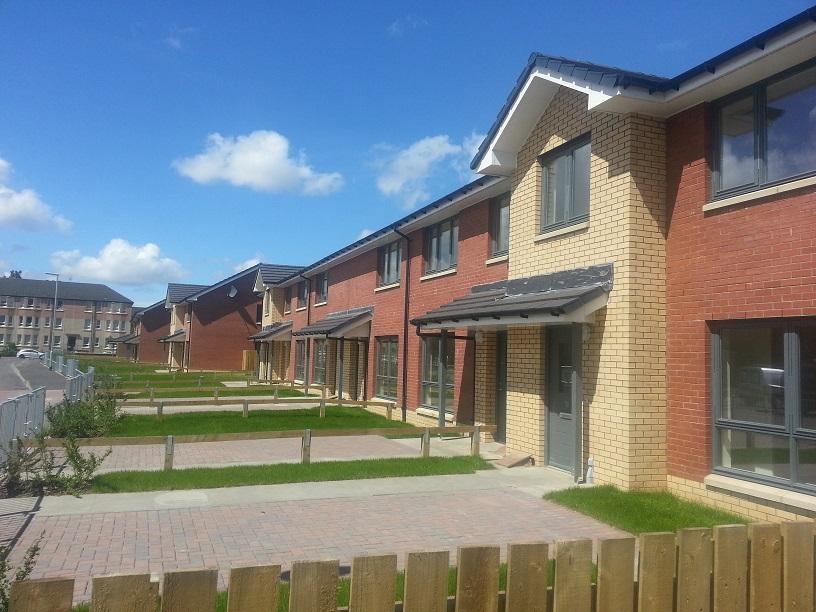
pixel 565 415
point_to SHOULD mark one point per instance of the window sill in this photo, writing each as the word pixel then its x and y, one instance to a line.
pixel 759 194
pixel 434 413
pixel 497 259
pixel 320 304
pixel 433 275
pixel 386 287
pixel 794 499
pixel 386 400
pixel 562 231
pixel 300 309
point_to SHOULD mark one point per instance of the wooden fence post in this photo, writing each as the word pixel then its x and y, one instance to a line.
pixel 528 573
pixel 389 411
pixel 199 381
pixel 426 443
pixel 477 579
pixel 475 440
pixel 275 391
pixel 253 588
pixel 160 410
pixel 313 586
pixel 245 408
pixel 152 394
pixel 43 595
pixel 323 401
pixel 372 583
pixel 306 447
pixel 215 395
pixel 169 449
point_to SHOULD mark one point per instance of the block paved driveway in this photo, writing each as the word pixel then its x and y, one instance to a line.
pixel 430 515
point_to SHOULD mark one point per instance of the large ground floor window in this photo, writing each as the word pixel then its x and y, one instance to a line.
pixel 764 401
pixel 387 360
pixel 300 360
pixel 430 372
pixel 319 368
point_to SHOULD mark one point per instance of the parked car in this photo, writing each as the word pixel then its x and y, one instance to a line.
pixel 30 354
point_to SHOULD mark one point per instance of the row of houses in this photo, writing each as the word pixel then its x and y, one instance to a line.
pixel 630 285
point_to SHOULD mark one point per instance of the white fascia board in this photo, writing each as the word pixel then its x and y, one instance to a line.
pixel 260 286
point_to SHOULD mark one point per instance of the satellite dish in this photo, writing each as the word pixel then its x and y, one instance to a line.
pixel 233 291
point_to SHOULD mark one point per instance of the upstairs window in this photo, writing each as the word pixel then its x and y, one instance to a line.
pixel 388 264
pixel 565 184
pixel 322 288
pixel 766 134
pixel 441 246
pixel 258 314
pixel 287 300
pixel 500 226
pixel 303 294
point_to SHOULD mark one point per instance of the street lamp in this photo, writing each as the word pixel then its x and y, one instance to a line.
pixel 53 314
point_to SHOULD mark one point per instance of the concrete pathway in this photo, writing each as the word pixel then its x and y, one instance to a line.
pixel 223 528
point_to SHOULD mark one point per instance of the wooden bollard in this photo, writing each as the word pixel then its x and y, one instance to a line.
pixel 199 381
pixel 131 377
pixel 426 443
pixel 169 449
pixel 275 391
pixel 306 447
pixel 323 401
pixel 389 410
pixel 475 440
pixel 293 383
pixel 152 393
pixel 246 408
pixel 160 410
pixel 215 395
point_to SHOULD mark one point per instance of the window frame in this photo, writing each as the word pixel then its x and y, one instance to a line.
pixel 495 229
pixel 319 361
pixel 322 288
pixel 568 148
pixel 302 294
pixel 792 431
pixel 758 91
pixel 287 300
pixel 385 256
pixel 433 232
pixel 300 360
pixel 383 381
pixel 426 378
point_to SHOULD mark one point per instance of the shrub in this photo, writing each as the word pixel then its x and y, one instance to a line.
pixel 9 350
pixel 8 575
pixel 84 419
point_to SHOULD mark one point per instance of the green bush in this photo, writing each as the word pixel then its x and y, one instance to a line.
pixel 84 419
pixel 9 575
pixel 9 350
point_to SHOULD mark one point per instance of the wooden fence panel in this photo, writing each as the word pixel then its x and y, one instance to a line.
pixel 426 582
pixel 528 572
pixel 765 580
pixel 254 589
pixel 373 580
pixel 314 586
pixel 695 562
pixel 477 579
pixel 730 568
pixel 573 576
pixel 43 595
pixel 616 575
pixel 124 594
pixel 798 566
pixel 187 590
pixel 658 556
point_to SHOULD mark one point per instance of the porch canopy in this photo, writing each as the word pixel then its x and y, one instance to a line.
pixel 275 332
pixel 354 323
pixel 177 336
pixel 570 296
pixel 126 339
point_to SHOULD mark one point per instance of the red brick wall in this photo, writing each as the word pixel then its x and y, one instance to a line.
pixel 754 260
pixel 155 323
pixel 352 284
pixel 220 326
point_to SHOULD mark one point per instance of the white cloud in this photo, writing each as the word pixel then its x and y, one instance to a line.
pixel 24 209
pixel 119 262
pixel 252 261
pixel 364 232
pixel 260 160
pixel 405 172
pixel 178 37
pixel 398 27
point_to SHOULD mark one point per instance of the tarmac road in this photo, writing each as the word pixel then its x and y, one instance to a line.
pixel 17 376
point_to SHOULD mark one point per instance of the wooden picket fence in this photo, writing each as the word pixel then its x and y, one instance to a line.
pixel 733 568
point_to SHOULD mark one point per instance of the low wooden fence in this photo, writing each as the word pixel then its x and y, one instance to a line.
pixel 306 435
pixel 732 568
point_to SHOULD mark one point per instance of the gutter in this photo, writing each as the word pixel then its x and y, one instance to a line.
pixel 306 368
pixel 406 309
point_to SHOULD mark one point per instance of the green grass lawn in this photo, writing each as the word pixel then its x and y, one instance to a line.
pixel 169 392
pixel 641 511
pixel 279 473
pixel 195 423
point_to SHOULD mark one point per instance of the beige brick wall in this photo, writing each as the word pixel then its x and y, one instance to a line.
pixel 624 354
pixel 484 400
pixel 752 508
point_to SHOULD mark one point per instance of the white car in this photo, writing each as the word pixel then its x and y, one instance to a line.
pixel 29 354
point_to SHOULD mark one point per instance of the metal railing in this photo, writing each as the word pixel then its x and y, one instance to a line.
pixel 21 417
pixel 79 385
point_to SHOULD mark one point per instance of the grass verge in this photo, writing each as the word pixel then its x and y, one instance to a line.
pixel 641 511
pixel 170 392
pixel 194 423
pixel 280 473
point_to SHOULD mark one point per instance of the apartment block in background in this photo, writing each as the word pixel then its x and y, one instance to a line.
pixel 87 315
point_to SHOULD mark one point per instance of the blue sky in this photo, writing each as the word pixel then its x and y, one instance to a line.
pixel 147 142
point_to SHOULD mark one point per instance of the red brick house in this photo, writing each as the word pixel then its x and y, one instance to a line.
pixel 147 326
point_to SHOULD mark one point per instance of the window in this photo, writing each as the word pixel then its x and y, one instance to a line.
pixel 58 323
pixel 27 340
pixel 35 339
pixel 303 294
pixel 99 324
pixel 86 342
pixel 4 301
pixel 96 341
pixel 258 314
pixel 300 360
pixel 2 320
pixel 267 299
pixel 767 134
pixel 287 300
pixel 29 303
pixel 500 226
pixel 87 324
pixel 59 305
pixel 100 306
pixel 388 264
pixel 47 321
pixel 565 184
pixel 441 246
pixel 764 396
pixel 36 321
pixel 430 372
pixel 322 288
pixel 319 368
pixel 107 325
pixel 29 322
pixel 57 341
pixel 387 360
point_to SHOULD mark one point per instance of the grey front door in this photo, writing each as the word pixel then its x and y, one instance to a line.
pixel 501 386
pixel 560 410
